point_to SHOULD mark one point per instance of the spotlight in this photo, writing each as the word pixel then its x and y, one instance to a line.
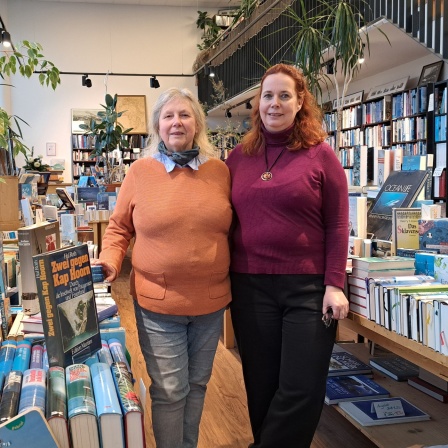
pixel 6 39
pixel 228 113
pixel 211 73
pixel 86 82
pixel 154 83
pixel 208 71
pixel 248 105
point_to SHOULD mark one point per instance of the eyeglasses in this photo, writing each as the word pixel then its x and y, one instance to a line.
pixel 327 318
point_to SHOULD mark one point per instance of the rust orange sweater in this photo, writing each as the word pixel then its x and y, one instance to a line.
pixel 181 222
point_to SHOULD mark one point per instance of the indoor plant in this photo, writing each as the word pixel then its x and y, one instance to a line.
pixel 108 135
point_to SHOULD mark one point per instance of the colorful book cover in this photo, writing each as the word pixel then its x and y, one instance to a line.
pixel 118 352
pixel 7 353
pixel 383 411
pixel 352 387
pixel 357 216
pixel 34 390
pixel 405 228
pixel 104 354
pixel 66 296
pixel 33 240
pixel 36 356
pixel 110 322
pixel 22 356
pixel 344 363
pixel 114 333
pixel 433 234
pixel 28 429
pixel 9 404
pixel 110 421
pixel 400 189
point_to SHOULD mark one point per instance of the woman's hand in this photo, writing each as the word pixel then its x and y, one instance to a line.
pixel 335 299
pixel 110 273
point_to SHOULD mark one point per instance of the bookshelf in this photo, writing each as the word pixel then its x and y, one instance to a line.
pixel 82 146
pixel 440 139
pixel 404 435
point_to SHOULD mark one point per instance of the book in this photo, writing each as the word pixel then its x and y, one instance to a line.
pixel 22 356
pixel 428 389
pixel 32 324
pixel 351 388
pixel 118 352
pixel 400 189
pixel 130 406
pixel 435 380
pixel 37 351
pixel 9 403
pixel 34 390
pixel 383 411
pixel 343 362
pixel 28 429
pixel 56 405
pixel 110 420
pixel 433 234
pixel 7 353
pixel 405 228
pixel 385 165
pixel 33 240
pixel 104 354
pixel 395 366
pixel 81 407
pixel 377 264
pixel 16 330
pixel 357 216
pixel 67 302
pixel 110 322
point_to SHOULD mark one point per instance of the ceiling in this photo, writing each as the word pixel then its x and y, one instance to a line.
pixel 216 4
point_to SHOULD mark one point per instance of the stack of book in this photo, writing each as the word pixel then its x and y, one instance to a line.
pixel 430 384
pixel 343 362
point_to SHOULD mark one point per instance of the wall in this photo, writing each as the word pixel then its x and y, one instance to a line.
pixel 95 38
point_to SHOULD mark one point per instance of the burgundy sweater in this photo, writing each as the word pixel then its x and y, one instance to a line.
pixel 296 223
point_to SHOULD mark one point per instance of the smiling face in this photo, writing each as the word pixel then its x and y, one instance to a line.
pixel 177 125
pixel 279 103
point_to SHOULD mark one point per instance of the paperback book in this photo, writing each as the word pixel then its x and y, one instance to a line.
pixel 394 366
pixel 343 362
pixel 351 388
pixel 34 390
pixel 383 411
pixel 9 403
pixel 67 302
pixel 428 389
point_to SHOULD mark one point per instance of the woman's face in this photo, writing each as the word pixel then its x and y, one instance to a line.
pixel 278 102
pixel 177 125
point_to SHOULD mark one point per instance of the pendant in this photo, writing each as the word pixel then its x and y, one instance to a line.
pixel 267 175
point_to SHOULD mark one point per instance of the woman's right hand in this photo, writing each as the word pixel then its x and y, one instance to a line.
pixel 110 273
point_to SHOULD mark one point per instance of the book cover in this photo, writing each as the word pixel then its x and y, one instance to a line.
pixel 110 322
pixel 435 380
pixel 37 351
pixel 383 411
pixel 395 366
pixel 343 362
pixel 357 216
pixel 130 406
pixel 56 405
pixel 433 234
pixel 351 388
pixel 110 420
pixel 32 324
pixel 28 429
pixel 114 333
pixel 400 189
pixel 405 228
pixel 428 389
pixel 33 240
pixel 378 264
pixel 104 354
pixel 7 353
pixel 67 302
pixel 105 306
pixel 22 356
pixel 118 352
pixel 9 403
pixel 81 407
pixel 34 390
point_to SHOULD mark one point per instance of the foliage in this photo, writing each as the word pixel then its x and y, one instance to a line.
pixel 219 94
pixel 245 10
pixel 34 163
pixel 210 30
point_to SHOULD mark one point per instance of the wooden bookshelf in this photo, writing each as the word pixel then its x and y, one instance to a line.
pixel 402 435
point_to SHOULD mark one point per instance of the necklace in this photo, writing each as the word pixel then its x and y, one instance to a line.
pixel 267 175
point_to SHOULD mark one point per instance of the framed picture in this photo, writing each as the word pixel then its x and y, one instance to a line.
pixel 134 113
pixel 349 100
pixel 388 89
pixel 430 73
pixel 82 116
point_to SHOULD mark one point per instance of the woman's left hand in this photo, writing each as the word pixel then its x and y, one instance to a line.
pixel 335 299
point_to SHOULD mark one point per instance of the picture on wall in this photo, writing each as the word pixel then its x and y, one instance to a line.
pixel 82 116
pixel 134 116
pixel 430 73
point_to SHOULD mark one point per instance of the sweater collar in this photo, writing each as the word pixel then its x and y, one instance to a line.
pixel 277 138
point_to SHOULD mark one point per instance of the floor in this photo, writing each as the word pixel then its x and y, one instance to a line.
pixel 225 422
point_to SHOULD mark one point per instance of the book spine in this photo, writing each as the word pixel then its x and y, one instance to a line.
pixel 7 353
pixel 129 400
pixel 22 356
pixel 33 390
pixel 36 357
pixel 79 390
pixel 56 393
pixel 104 354
pixel 106 398
pixel 117 352
pixel 9 403
pixel 30 301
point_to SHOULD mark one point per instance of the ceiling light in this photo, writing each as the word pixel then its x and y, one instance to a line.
pixel 86 82
pixel 154 83
pixel 248 105
pixel 6 39
pixel 228 113
pixel 211 73
pixel 361 61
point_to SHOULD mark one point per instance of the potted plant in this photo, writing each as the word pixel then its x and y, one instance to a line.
pixel 108 135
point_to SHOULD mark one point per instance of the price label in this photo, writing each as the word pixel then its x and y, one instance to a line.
pixel 386 409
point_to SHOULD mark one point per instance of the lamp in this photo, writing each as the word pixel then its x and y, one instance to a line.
pixel 248 105
pixel 154 83
pixel 228 113
pixel 208 71
pixel 211 73
pixel 86 82
pixel 6 38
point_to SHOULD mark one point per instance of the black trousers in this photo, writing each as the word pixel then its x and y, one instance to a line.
pixel 285 350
